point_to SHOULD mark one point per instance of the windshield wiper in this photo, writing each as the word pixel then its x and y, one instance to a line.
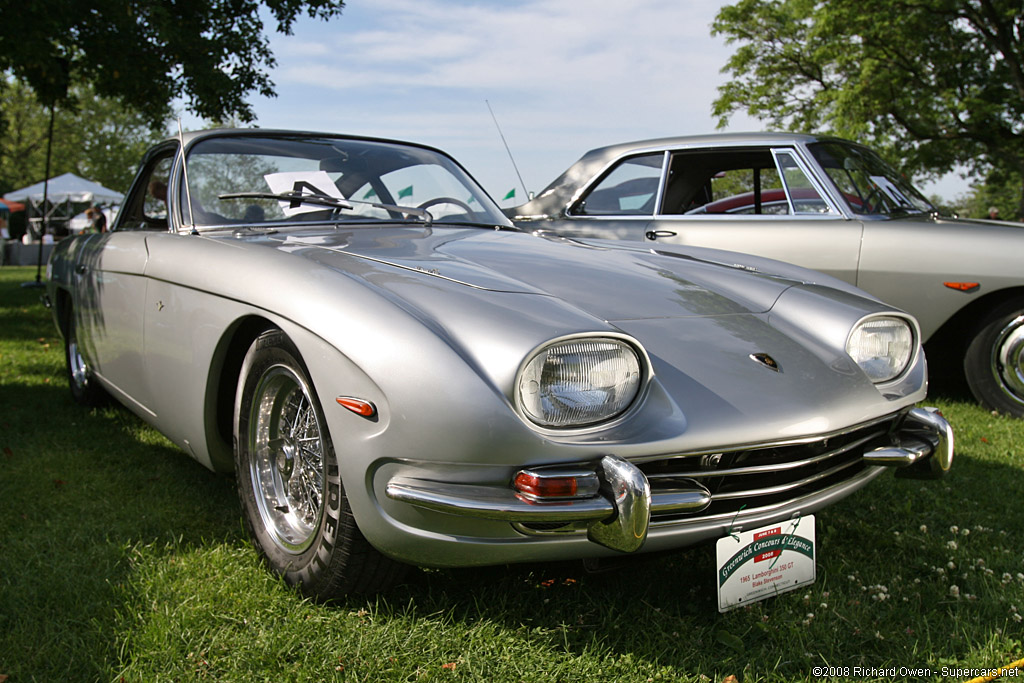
pixel 297 198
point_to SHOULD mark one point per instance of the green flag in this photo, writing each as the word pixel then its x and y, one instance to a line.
pixel 407 192
pixel 371 193
pixel 511 194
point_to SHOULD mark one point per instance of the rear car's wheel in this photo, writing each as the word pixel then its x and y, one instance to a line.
pixel 84 388
pixel 994 364
pixel 289 481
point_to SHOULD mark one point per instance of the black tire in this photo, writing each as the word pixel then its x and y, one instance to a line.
pixel 994 363
pixel 84 388
pixel 289 482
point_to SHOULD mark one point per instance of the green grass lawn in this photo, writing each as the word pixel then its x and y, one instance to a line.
pixel 122 559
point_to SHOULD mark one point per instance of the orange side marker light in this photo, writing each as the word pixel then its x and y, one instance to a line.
pixel 963 286
pixel 357 406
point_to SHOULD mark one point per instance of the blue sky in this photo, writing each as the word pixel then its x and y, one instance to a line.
pixel 562 77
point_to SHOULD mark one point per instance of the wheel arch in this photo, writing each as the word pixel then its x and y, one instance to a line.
pixel 222 383
pixel 949 343
pixel 62 308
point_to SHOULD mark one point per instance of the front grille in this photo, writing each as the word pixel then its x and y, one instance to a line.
pixel 762 476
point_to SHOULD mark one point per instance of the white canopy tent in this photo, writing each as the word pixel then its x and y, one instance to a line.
pixel 65 196
pixel 67 188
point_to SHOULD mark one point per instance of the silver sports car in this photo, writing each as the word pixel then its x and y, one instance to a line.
pixel 822 203
pixel 397 375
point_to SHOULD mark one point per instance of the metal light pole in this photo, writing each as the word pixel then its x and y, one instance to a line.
pixel 46 191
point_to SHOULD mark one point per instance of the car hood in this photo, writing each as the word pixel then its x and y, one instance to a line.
pixel 647 284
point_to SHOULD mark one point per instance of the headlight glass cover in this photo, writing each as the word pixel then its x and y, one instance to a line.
pixel 579 382
pixel 882 347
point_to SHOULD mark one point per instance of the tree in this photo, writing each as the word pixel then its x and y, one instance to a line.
pixel 931 83
pixel 98 139
pixel 147 53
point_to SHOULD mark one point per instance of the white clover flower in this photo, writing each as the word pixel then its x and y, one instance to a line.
pixel 979 562
pixel 954 591
pixel 951 545
pixel 1017 618
pixel 950 565
pixel 917 581
pixel 1006 578
pixel 923 528
pixel 954 530
pixel 1020 577
pixel 965 532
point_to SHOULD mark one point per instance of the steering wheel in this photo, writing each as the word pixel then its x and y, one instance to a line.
pixel 446 200
pixel 869 201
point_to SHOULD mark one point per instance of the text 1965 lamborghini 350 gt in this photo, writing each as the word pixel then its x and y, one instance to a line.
pixel 398 376
pixel 825 204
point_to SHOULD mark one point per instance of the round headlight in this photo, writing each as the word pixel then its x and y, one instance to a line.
pixel 882 347
pixel 579 382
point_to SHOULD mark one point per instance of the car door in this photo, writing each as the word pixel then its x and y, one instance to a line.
pixel 111 294
pixel 112 287
pixel 763 201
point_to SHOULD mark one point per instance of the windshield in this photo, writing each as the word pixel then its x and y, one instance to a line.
pixel 868 184
pixel 250 180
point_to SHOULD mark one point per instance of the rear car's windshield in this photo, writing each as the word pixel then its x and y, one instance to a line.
pixel 866 182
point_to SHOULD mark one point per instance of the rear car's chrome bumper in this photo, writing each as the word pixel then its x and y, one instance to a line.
pixel 619 513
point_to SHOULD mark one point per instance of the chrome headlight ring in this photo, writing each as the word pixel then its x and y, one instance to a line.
pixel 884 346
pixel 581 381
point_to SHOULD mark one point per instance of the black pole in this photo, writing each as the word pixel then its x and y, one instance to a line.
pixel 46 192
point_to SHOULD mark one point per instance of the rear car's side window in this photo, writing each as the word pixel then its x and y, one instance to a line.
pixel 629 188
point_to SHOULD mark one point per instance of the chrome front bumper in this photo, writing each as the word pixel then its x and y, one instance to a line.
pixel 618 516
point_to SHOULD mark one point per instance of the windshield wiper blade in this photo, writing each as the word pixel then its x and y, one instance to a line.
pixel 427 217
pixel 297 198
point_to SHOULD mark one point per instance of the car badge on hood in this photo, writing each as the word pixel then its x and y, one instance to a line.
pixel 766 360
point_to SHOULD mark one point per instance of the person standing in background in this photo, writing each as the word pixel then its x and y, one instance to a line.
pixel 96 219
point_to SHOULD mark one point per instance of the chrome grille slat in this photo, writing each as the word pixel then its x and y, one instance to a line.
pixel 774 467
pixel 762 476
pixel 782 488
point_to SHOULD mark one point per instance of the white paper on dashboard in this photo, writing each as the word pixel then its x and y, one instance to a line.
pixel 304 182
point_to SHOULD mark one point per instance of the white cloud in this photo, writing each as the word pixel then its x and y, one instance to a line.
pixel 562 76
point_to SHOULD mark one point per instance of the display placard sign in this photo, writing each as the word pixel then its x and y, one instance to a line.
pixel 313 183
pixel 754 565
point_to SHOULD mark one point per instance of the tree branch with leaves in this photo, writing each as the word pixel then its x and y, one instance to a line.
pixel 934 84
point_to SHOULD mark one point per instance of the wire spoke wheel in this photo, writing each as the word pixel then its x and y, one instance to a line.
pixel 290 480
pixel 287 467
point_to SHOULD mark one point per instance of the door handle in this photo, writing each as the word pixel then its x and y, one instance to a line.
pixel 655 234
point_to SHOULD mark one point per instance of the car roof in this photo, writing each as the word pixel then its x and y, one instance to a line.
pixel 708 140
pixel 562 190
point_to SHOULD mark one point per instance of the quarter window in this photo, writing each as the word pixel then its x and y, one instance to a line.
pixel 804 197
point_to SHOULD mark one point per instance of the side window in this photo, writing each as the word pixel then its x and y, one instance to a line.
pixel 155 203
pixel 802 193
pixel 146 207
pixel 629 189
pixel 724 181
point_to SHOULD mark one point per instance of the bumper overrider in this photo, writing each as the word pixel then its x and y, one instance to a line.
pixel 614 500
